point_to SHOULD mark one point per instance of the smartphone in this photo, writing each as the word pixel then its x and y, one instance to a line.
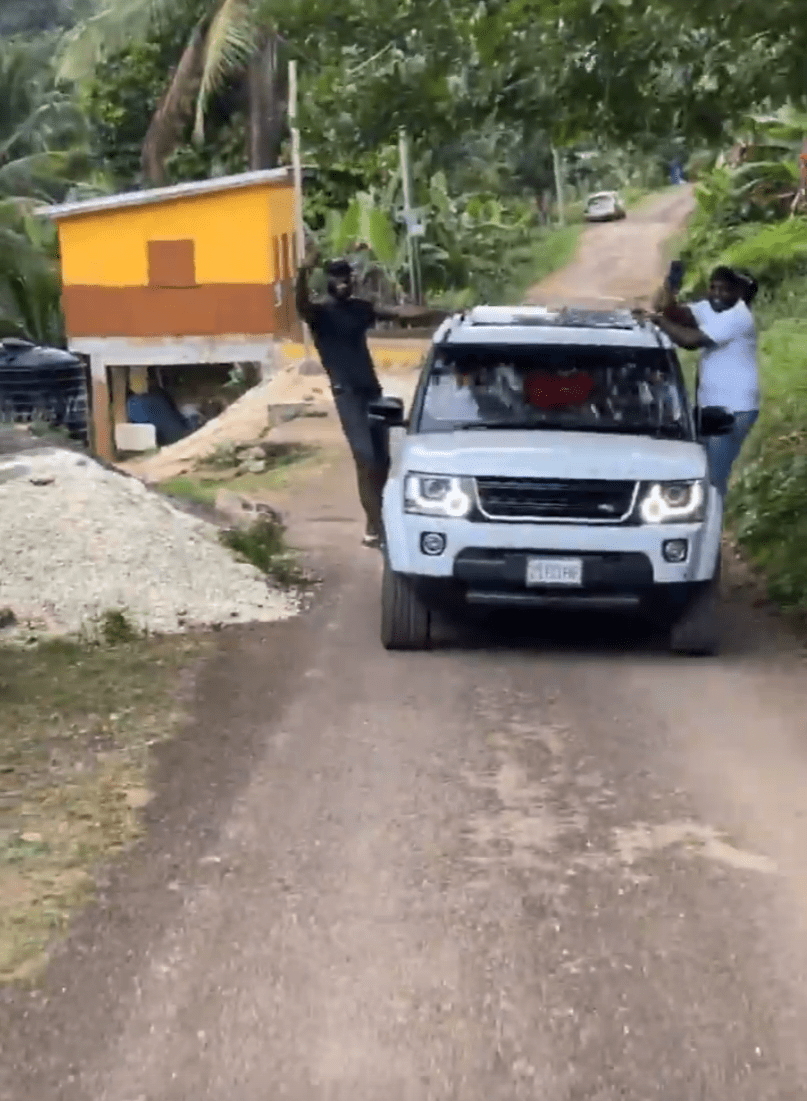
pixel 675 276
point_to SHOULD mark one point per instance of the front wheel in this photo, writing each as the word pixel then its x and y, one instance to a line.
pixel 405 619
pixel 696 632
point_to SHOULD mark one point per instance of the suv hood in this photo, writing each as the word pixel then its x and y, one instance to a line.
pixel 537 454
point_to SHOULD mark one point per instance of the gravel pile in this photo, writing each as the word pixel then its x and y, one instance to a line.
pixel 78 540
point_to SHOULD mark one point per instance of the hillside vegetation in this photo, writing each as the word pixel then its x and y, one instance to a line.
pixel 751 227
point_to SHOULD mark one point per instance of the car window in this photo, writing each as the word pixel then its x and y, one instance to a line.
pixel 598 389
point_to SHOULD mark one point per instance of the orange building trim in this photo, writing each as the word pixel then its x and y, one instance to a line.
pixel 175 311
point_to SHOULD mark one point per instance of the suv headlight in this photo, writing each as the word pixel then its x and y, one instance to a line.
pixel 438 495
pixel 672 502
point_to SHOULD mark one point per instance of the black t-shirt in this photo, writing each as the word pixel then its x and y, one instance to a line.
pixel 339 329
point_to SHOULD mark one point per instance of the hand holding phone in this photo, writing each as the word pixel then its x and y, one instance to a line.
pixel 675 276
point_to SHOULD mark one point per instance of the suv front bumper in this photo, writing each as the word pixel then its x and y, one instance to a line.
pixel 610 581
pixel 492 557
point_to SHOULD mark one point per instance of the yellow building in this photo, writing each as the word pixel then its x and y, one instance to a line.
pixel 198 273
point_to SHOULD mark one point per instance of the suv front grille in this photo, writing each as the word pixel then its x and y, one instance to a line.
pixel 546 499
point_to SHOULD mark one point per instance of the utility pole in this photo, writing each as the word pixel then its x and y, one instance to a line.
pixel 558 166
pixel 409 218
pixel 298 184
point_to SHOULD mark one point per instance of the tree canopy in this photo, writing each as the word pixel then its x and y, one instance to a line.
pixel 178 89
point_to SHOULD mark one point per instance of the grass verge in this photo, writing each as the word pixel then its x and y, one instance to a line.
pixel 225 470
pixel 263 544
pixel 519 267
pixel 77 725
pixel 527 265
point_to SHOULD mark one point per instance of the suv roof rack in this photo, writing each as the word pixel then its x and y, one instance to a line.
pixel 566 318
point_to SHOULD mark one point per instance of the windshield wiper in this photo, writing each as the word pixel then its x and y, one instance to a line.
pixel 661 431
pixel 507 425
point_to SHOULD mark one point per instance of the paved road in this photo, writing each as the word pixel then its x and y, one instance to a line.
pixel 553 865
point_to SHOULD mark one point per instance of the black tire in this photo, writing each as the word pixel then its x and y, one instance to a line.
pixel 405 619
pixel 696 632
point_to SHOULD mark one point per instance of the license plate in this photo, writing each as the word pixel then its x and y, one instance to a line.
pixel 555 571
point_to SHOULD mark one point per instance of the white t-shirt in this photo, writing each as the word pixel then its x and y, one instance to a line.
pixel 728 371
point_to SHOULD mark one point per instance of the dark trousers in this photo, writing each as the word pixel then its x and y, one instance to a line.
pixel 369 446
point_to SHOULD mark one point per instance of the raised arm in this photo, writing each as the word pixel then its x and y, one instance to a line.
pixel 665 303
pixel 687 336
pixel 423 315
pixel 680 314
pixel 677 321
pixel 302 291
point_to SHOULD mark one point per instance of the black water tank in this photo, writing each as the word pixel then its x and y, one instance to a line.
pixel 43 385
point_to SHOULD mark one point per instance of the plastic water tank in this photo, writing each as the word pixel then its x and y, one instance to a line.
pixel 46 385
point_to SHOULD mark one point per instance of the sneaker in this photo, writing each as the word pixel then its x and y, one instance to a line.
pixel 371 539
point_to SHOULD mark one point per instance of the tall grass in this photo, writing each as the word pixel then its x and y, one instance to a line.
pixel 768 502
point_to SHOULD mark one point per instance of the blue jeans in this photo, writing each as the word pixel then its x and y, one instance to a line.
pixel 723 450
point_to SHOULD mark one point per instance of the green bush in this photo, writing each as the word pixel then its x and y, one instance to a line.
pixel 739 219
pixel 770 521
pixel 263 544
pixel 767 506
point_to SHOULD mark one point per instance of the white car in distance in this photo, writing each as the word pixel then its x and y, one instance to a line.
pixel 551 459
pixel 605 206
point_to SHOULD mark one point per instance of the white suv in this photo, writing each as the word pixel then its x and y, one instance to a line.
pixel 550 458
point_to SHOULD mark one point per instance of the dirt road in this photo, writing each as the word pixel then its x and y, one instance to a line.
pixel 619 263
pixel 554 865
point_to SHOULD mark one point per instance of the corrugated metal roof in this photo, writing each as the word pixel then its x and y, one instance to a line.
pixel 127 199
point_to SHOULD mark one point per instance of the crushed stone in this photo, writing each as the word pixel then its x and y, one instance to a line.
pixel 78 540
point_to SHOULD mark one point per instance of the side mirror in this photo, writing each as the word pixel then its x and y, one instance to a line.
pixel 714 420
pixel 388 411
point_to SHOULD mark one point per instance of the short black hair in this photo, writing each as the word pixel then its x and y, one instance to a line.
pixel 750 287
pixel 724 274
pixel 338 267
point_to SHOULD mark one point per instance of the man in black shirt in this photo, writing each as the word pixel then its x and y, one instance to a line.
pixel 339 324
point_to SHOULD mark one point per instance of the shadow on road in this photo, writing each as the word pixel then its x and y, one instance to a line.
pixel 745 633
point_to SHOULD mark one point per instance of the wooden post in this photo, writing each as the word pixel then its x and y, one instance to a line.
pixel 299 225
pixel 558 166
pixel 403 147
pixel 119 378
pixel 102 442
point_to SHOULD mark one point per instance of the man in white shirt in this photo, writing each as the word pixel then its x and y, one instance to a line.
pixel 723 327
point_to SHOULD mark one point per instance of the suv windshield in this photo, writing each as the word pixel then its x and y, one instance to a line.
pixel 572 388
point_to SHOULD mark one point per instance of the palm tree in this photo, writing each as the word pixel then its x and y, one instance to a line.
pixel 228 38
pixel 41 148
pixel 30 286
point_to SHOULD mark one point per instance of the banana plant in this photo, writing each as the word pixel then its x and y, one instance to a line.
pixel 363 223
